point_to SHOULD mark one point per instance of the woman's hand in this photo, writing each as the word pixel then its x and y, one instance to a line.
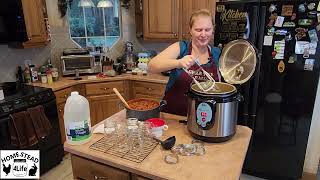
pixel 187 61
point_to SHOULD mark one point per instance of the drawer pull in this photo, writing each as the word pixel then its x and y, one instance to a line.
pixel 66 95
pixel 104 89
pixel 97 177
pixel 60 110
pixel 150 89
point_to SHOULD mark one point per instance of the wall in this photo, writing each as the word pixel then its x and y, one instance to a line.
pixel 11 58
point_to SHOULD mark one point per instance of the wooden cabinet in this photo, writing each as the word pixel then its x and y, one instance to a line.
pixel 161 19
pixel 169 19
pixel 103 101
pixel 188 6
pixel 86 169
pixel 34 17
pixel 103 106
pixel 60 108
pixel 148 90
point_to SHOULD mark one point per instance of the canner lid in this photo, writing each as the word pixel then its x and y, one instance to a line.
pixel 238 61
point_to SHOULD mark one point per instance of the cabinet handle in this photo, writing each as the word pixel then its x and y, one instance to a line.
pixel 175 35
pixel 66 95
pixel 149 89
pixel 29 38
pixel 104 89
pixel 60 110
pixel 98 177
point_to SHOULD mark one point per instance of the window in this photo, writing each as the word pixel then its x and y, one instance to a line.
pixel 94 26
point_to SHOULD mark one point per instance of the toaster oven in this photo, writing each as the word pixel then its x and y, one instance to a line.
pixel 86 64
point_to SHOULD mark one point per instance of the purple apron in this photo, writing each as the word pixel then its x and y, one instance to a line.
pixel 176 96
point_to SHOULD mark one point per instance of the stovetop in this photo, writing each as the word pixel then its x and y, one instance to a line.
pixel 24 97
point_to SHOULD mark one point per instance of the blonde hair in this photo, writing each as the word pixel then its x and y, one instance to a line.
pixel 197 13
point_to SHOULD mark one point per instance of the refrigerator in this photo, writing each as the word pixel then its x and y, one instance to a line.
pixel 279 98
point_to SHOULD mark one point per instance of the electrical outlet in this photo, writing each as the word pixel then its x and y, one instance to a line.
pixel 27 62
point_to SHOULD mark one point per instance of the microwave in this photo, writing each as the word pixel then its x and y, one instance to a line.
pixel 86 64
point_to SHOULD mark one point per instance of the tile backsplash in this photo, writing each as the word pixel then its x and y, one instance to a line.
pixel 11 58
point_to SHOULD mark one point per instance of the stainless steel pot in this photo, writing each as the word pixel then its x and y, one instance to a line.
pixel 146 114
pixel 213 115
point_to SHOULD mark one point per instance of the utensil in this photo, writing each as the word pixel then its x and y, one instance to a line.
pixel 204 86
pixel 121 98
pixel 168 143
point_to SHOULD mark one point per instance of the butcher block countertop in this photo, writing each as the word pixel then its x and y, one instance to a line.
pixel 221 160
pixel 65 82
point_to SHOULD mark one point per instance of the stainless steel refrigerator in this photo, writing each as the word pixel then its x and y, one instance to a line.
pixel 279 99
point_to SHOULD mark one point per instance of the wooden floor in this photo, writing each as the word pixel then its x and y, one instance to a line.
pixel 61 172
pixel 64 172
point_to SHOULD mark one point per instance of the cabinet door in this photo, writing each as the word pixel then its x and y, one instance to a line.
pixel 188 6
pixel 101 107
pixel 148 90
pixel 35 24
pixel 60 108
pixel 160 19
pixel 86 169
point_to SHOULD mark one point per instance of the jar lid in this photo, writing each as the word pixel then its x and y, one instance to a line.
pixel 238 61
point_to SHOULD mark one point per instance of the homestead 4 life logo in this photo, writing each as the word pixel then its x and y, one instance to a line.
pixel 19 164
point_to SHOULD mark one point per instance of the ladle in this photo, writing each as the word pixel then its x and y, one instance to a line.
pixel 168 143
pixel 121 98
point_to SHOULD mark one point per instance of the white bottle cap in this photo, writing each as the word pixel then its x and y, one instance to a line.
pixel 74 93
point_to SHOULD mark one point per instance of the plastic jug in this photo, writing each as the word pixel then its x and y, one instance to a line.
pixel 77 119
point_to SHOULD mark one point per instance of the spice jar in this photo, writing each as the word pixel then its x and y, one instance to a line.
pixel 44 79
pixel 55 74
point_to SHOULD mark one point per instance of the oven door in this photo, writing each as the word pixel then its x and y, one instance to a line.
pixel 84 63
pixel 48 142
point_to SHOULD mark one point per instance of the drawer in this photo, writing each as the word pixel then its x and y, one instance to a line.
pixel 86 169
pixel 104 88
pixel 62 95
pixel 154 90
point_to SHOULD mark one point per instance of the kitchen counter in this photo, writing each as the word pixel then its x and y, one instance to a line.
pixel 221 160
pixel 65 82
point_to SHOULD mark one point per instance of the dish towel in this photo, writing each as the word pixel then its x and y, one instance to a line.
pixel 40 121
pixel 21 130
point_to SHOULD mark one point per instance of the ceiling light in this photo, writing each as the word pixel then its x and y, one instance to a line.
pixel 85 3
pixel 104 4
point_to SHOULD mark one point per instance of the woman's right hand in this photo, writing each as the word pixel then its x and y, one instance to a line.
pixel 187 61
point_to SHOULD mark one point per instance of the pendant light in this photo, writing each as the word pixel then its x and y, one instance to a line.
pixel 104 4
pixel 86 3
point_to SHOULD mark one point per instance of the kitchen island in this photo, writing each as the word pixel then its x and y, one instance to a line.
pixel 221 160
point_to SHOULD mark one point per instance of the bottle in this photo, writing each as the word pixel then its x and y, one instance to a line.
pixel 77 119
pixel 49 76
pixel 27 76
pixel 20 75
pixel 34 73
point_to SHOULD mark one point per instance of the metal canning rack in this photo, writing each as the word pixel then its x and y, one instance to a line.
pixel 113 147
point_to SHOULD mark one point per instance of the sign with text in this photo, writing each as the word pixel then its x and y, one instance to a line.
pixel 20 164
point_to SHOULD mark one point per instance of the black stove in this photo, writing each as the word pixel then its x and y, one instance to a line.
pixel 25 96
pixel 20 99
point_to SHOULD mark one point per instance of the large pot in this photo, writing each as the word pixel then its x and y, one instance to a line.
pixel 213 115
pixel 143 115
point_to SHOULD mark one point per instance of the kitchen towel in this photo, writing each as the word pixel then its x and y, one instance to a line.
pixel 40 121
pixel 21 130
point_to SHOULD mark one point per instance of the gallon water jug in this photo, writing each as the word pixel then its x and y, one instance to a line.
pixel 77 119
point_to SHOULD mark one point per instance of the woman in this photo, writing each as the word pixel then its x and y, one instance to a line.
pixel 183 55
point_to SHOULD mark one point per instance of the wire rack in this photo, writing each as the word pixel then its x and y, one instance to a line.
pixel 116 147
